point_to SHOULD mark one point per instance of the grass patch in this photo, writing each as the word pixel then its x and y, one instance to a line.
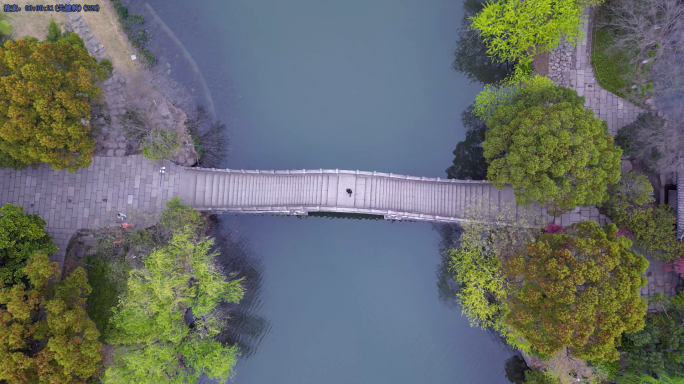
pixel 613 70
pixel 107 275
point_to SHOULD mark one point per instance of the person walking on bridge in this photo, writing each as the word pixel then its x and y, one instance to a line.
pixel 349 191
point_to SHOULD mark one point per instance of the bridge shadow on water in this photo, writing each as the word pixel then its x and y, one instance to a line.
pixel 342 215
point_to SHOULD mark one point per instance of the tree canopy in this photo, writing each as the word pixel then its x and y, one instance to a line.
pixel 21 236
pixel 580 289
pixel 45 334
pixel 545 144
pixel 45 89
pixel 517 30
pixel 167 320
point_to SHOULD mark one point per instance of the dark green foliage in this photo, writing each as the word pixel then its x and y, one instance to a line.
pixel 54 32
pixel 107 275
pixel 21 236
pixel 7 161
pixel 659 347
pixel 469 161
pixel 613 70
pixel 540 377
pixel 106 64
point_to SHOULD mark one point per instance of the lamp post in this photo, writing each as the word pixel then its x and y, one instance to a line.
pixel 161 175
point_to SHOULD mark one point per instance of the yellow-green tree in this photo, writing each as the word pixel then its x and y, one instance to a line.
pixel 544 143
pixel 45 334
pixel 580 290
pixel 166 323
pixel 517 30
pixel 45 89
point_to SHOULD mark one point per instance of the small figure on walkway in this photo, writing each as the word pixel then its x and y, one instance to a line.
pixel 120 216
pixel 349 191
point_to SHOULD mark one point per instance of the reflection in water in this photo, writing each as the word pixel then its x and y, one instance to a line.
pixel 447 287
pixel 469 161
pixel 515 368
pixel 245 328
pixel 471 58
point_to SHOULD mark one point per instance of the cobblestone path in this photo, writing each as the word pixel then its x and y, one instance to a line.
pixel 571 67
pixel 90 197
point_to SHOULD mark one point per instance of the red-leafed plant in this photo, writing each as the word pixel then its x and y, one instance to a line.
pixel 675 266
pixel 553 228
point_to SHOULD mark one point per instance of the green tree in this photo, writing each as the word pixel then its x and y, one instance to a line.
pixel 517 30
pixel 54 32
pixel 21 236
pixel 659 347
pixel 166 321
pixel 630 205
pixel 580 290
pixel 546 145
pixel 45 89
pixel 45 334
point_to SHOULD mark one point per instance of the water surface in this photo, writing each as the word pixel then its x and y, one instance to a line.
pixel 352 85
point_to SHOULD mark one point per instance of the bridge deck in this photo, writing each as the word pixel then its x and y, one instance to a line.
pixel 302 191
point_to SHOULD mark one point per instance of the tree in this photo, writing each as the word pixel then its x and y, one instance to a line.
pixel 655 141
pixel 469 162
pixel 54 32
pixel 45 334
pixel 21 236
pixel 45 89
pixel 545 144
pixel 580 290
pixel 167 320
pixel 517 30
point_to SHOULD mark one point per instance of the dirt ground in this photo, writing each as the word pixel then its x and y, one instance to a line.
pixel 105 27
pixel 102 24
pixel 34 24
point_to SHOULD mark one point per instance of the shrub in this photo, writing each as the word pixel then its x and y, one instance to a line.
pixel 548 147
pixel 631 192
pixel 107 65
pixel 540 377
pixel 131 24
pixel 654 141
pixel 54 32
pixel 21 236
pixel 676 266
pixel 580 291
pixel 161 143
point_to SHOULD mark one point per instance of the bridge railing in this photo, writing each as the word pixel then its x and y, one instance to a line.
pixel 334 171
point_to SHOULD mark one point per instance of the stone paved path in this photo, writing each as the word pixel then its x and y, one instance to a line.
pixel 90 197
pixel 572 68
